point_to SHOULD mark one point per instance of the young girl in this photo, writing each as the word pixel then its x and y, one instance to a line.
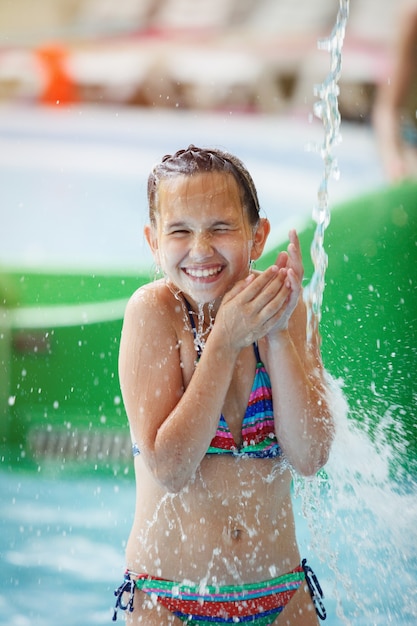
pixel 225 398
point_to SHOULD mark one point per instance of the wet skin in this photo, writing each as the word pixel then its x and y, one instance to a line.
pixel 213 518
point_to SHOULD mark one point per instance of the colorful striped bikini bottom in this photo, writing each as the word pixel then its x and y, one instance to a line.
pixel 210 605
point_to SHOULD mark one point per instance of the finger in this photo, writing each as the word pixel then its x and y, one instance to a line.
pixel 239 287
pixel 266 311
pixel 271 304
pixel 293 300
pixel 293 237
pixel 266 287
pixel 294 243
pixel 248 288
pixel 294 251
pixel 262 279
pixel 282 259
pixel 257 285
pixel 278 321
pixel 277 318
pixel 281 318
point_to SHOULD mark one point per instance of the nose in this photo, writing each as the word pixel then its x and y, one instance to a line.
pixel 201 247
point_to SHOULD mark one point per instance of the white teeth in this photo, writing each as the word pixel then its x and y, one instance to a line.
pixel 203 273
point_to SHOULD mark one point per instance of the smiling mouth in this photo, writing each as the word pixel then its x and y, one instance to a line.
pixel 203 273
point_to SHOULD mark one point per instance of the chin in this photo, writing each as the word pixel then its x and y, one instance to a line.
pixel 201 296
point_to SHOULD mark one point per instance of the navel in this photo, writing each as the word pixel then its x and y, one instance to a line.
pixel 233 531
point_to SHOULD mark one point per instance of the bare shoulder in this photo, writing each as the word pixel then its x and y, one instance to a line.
pixel 153 327
pixel 152 304
pixel 150 341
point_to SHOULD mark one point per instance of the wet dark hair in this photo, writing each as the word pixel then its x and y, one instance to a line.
pixel 195 160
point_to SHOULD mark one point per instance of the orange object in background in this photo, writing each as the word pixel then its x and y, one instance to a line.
pixel 59 87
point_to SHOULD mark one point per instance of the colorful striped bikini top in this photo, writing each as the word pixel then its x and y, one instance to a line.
pixel 258 427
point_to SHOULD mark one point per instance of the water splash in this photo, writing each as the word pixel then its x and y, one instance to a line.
pixel 199 332
pixel 326 109
pixel 363 527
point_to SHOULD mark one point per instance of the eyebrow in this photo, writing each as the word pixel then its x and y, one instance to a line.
pixel 172 225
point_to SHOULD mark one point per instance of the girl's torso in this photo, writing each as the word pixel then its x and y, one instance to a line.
pixel 233 522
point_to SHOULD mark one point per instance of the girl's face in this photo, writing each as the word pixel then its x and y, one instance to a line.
pixel 203 240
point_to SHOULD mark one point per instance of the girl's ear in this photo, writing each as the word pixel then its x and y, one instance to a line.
pixel 261 235
pixel 151 237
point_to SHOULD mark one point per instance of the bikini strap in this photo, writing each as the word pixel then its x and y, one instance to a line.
pixel 190 313
pixel 315 590
pixel 191 318
pixel 127 586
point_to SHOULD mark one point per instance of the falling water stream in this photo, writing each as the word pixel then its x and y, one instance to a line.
pixel 363 523
pixel 326 108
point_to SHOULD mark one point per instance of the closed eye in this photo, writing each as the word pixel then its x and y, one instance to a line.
pixel 178 232
pixel 222 228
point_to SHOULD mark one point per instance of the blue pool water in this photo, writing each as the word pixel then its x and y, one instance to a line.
pixel 62 552
pixel 61 548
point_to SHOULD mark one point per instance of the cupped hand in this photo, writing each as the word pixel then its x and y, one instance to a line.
pixel 254 306
pixel 262 304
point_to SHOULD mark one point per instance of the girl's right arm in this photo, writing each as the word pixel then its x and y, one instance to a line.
pixel 173 426
pixel 174 423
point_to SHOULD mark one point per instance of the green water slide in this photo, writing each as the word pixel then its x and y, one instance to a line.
pixel 369 315
pixel 59 338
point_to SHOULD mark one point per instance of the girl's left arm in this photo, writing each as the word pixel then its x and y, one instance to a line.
pixel 303 418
